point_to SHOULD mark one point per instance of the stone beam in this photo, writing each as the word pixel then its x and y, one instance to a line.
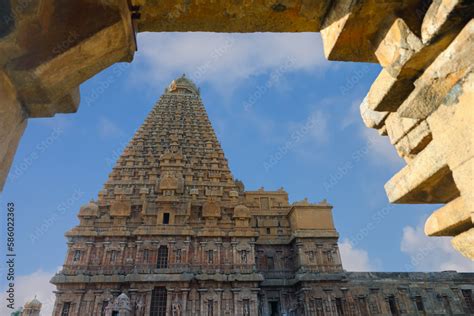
pixel 352 29
pixel 47 49
pixel 231 16
pixel 50 65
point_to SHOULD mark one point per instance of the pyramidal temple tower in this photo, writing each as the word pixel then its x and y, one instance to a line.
pixel 173 233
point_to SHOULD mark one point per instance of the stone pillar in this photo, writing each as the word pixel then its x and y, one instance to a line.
pixel 233 243
pixel 300 254
pixel 186 259
pixel 184 299
pixel 103 261
pixel 219 301
pixel 219 248
pixel 169 297
pixel 235 299
pixel 252 254
pixel 319 257
pixel 89 245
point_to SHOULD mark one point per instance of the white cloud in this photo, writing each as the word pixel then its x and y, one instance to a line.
pixel 354 259
pixel 352 115
pixel 27 287
pixel 108 129
pixel 221 59
pixel 431 253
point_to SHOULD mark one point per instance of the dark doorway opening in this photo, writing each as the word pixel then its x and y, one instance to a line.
pixel 274 307
pixel 166 218
pixel 158 302
pixel 162 262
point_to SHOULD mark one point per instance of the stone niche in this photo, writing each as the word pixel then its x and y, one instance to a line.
pixel 170 183
pixel 120 208
pixel 306 216
pixel 241 216
pixel 211 209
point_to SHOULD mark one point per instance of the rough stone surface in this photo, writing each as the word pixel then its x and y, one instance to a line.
pixel 449 220
pixel 445 16
pixel 426 179
pixel 231 16
pixel 441 77
pixel 12 124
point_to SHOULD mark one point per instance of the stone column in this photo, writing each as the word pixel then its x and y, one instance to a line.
pixel 219 246
pixel 236 297
pixel 233 243
pixel 201 301
pixel 184 299
pixel 252 253
pixel 254 302
pixel 219 301
pixel 89 245
pixel 122 253
pixel 169 297
pixel 301 256
pixel 319 257
pixel 185 256
pixel 104 253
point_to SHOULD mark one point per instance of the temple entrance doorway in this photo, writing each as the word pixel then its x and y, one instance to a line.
pixel 274 308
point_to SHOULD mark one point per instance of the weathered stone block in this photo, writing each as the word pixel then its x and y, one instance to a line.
pixel 387 92
pixel 12 124
pixel 351 29
pixel 463 243
pixel 231 16
pixel 397 47
pixel 414 141
pixel 371 118
pixel 426 179
pixel 397 126
pixel 442 78
pixel 449 220
pixel 445 16
pixel 120 208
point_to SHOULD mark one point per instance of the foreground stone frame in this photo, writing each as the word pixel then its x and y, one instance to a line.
pixel 422 99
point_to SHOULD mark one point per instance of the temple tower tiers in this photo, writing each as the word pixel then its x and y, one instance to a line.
pixel 173 233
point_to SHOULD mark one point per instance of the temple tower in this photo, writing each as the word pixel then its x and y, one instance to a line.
pixel 173 233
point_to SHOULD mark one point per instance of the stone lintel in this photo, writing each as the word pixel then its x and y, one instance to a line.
pixel 387 92
pixel 449 220
pixel 230 16
pixel 351 29
pixel 427 179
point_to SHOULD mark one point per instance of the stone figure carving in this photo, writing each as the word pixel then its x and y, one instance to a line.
pixel 176 309
pixel 140 307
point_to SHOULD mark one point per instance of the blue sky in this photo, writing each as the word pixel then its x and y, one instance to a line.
pixel 285 117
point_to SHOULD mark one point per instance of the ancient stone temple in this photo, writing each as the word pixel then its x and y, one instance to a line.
pixel 173 233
